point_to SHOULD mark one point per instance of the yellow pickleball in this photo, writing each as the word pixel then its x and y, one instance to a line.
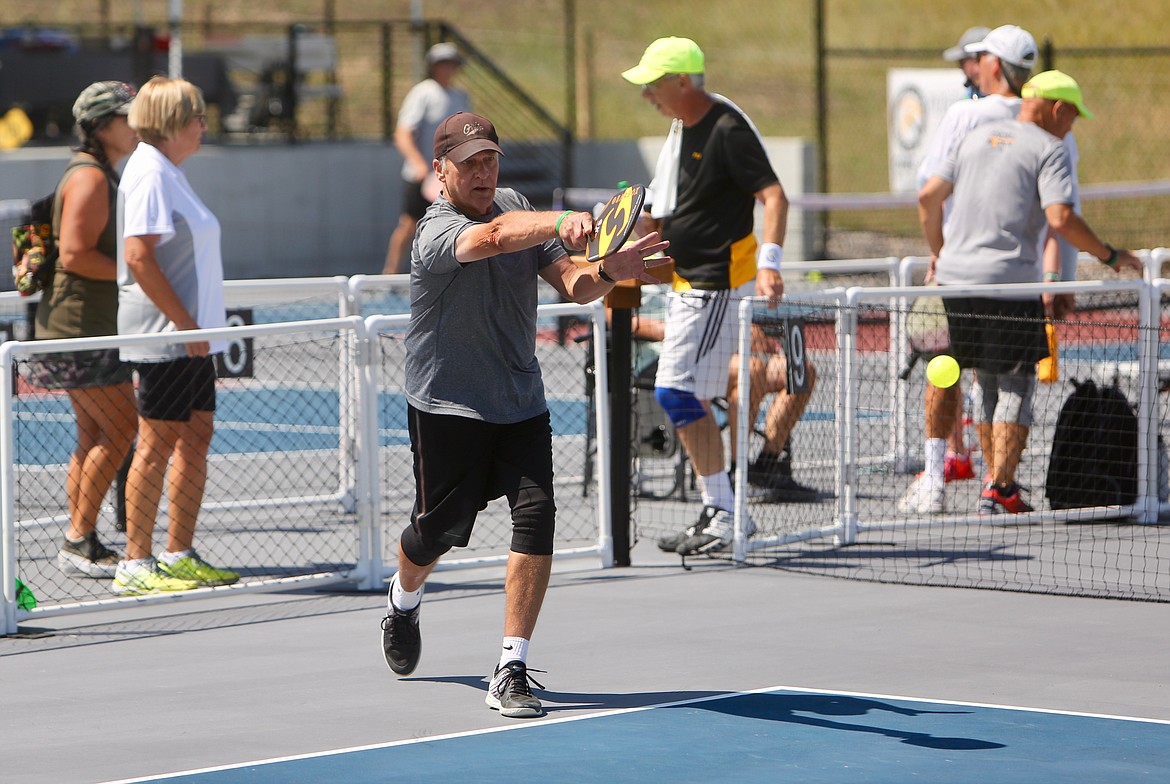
pixel 942 371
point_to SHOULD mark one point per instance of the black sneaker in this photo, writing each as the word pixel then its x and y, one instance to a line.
pixel 716 536
pixel 89 557
pixel 670 542
pixel 774 475
pixel 510 693
pixel 401 641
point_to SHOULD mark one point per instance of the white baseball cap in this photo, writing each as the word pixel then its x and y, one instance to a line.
pixel 1009 43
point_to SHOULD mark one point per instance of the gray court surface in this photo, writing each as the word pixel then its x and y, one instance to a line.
pixel 158 689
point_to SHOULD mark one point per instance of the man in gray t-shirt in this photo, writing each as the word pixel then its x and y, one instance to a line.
pixel 479 426
pixel 1010 180
pixel 450 368
pixel 1004 174
pixel 426 105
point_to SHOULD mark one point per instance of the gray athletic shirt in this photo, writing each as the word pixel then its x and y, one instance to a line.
pixel 471 344
pixel 1004 174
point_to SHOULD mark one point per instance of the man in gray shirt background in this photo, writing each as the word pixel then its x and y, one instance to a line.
pixel 1010 179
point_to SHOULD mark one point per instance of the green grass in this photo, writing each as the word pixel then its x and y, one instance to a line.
pixel 759 54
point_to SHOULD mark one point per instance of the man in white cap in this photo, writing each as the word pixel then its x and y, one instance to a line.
pixel 1011 182
pixel 424 107
pixel 1004 59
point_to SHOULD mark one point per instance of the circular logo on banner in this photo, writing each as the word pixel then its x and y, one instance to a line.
pixel 909 117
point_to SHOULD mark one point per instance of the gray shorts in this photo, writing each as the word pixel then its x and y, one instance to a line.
pixel 1003 397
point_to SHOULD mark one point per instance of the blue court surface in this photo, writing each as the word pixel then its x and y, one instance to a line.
pixel 762 736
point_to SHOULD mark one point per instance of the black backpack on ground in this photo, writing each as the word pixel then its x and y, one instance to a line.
pixel 1094 458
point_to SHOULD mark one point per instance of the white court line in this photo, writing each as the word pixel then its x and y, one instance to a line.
pixel 621 711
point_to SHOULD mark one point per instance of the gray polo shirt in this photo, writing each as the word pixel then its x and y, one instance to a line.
pixel 1004 174
pixel 471 344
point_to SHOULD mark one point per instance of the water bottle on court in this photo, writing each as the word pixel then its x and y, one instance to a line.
pixel 25 599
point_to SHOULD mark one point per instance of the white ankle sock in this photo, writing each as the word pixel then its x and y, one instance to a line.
pixel 513 649
pixel 400 599
pixel 716 490
pixel 170 559
pixel 130 564
pixel 936 454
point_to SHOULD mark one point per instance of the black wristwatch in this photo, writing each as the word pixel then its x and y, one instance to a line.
pixel 601 273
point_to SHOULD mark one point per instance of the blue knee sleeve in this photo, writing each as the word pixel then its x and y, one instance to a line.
pixel 681 407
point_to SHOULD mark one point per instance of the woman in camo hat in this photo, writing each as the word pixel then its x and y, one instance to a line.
pixel 83 302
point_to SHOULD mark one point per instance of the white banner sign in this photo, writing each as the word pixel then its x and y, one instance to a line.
pixel 916 100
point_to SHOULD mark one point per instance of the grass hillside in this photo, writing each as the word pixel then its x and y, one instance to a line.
pixel 759 54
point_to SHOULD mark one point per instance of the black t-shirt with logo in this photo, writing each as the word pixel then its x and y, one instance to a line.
pixel 722 164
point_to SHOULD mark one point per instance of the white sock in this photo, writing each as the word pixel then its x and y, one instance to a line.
pixel 170 559
pixel 936 455
pixel 513 649
pixel 716 490
pixel 130 564
pixel 397 598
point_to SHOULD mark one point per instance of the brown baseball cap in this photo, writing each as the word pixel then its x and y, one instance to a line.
pixel 464 134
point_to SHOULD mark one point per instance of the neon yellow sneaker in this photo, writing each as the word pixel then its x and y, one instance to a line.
pixel 192 567
pixel 145 579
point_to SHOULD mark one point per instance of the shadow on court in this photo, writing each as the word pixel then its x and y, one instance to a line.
pixel 554 701
pixel 812 710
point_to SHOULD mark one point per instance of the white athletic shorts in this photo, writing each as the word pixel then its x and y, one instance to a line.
pixel 702 328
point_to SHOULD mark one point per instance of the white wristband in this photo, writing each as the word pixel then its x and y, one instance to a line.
pixel 769 257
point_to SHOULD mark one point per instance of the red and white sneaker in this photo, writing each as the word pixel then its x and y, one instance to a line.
pixel 997 499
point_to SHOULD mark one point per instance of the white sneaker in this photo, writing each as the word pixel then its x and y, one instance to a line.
pixel 923 497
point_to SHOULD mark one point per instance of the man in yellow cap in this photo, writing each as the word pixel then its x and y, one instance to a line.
pixel 709 176
pixel 1011 180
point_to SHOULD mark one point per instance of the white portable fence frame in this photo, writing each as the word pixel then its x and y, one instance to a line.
pixel 12 350
pixel 376 570
pixel 847 526
pixel 259 291
pixel 278 291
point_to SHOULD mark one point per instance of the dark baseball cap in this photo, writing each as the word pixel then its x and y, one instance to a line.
pixel 464 134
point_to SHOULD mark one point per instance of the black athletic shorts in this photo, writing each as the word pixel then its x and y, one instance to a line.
pixel 997 335
pixel 414 203
pixel 461 464
pixel 172 390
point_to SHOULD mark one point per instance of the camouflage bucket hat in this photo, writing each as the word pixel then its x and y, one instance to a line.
pixel 101 99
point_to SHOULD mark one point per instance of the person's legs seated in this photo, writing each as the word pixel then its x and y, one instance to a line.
pixel 772 468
